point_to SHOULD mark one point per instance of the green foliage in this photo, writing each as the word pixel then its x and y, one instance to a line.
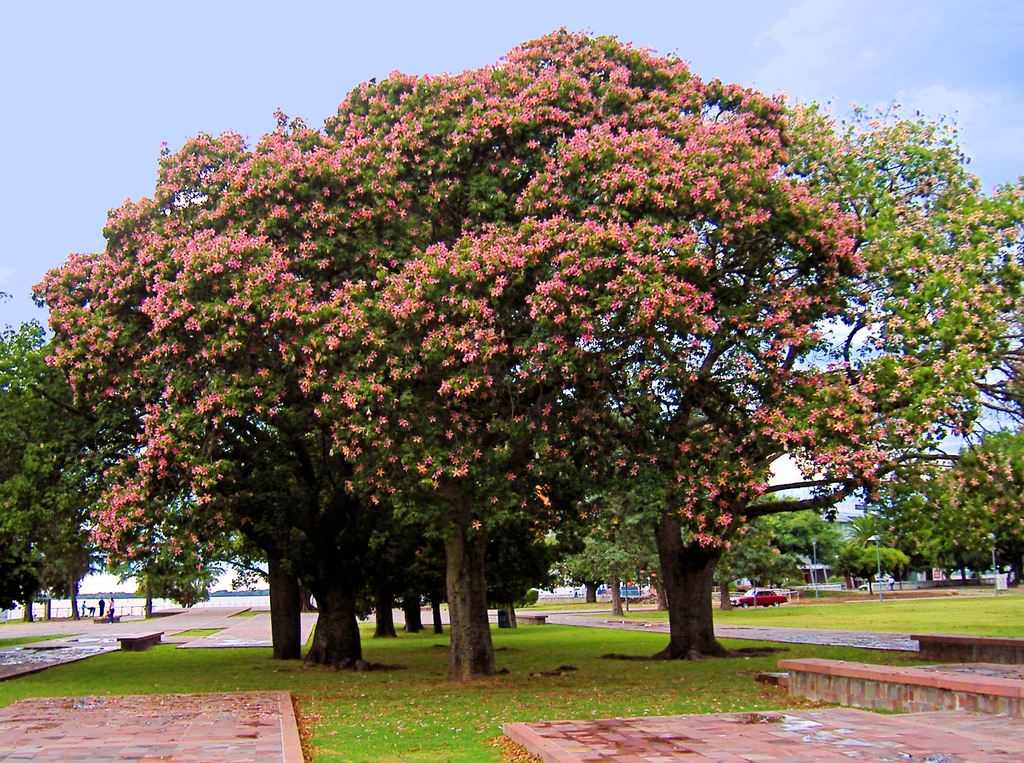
pixel 773 548
pixel 48 473
pixel 948 512
pixel 863 561
pixel 518 561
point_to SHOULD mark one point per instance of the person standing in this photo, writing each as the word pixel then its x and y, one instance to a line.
pixel 102 605
pixel 110 609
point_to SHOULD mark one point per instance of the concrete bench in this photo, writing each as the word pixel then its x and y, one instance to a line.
pixel 139 641
pixel 903 690
pixel 100 620
pixel 1005 651
pixel 531 619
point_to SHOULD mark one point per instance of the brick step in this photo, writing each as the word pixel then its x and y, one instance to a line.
pixel 977 688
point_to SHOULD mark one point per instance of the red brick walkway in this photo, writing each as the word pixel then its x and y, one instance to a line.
pixel 837 735
pixel 257 727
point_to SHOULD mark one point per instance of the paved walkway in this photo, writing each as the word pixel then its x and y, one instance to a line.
pixel 84 638
pixel 255 727
pixel 838 735
pixel 900 642
pixel 246 632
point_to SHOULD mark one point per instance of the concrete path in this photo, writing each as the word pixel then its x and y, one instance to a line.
pixel 838 735
pixel 246 631
pixel 255 727
pixel 900 642
pixel 84 638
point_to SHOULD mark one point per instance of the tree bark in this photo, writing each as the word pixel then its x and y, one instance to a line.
pixel 413 614
pixel 149 600
pixel 73 586
pixel 510 615
pixel 336 639
pixel 27 616
pixel 435 611
pixel 471 653
pixel 659 594
pixel 385 616
pixel 687 572
pixel 616 587
pixel 285 609
pixel 726 602
pixel 592 592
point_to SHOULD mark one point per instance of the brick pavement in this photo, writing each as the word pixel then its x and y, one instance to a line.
pixel 255 727
pixel 834 735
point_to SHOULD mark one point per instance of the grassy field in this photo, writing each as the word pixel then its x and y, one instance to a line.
pixel 977 615
pixel 410 712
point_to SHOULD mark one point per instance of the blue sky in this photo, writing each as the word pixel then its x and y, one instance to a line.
pixel 91 90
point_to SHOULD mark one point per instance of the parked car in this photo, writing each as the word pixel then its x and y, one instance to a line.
pixel 759 597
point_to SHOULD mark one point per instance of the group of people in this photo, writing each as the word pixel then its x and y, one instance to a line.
pixel 102 605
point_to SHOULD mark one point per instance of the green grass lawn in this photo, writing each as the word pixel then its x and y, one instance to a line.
pixel 976 615
pixel 6 642
pixel 413 713
pixel 200 632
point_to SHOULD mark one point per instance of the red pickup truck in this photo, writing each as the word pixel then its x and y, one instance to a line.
pixel 759 597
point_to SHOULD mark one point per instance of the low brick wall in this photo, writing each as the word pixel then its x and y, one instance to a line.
pixel 1004 651
pixel 903 690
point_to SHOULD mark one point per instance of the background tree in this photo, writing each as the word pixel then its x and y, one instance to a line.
pixel 953 514
pixel 48 475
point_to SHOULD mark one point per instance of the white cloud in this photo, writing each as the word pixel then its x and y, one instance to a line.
pixel 935 56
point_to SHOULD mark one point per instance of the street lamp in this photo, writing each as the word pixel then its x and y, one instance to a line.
pixel 995 572
pixel 878 556
pixel 814 567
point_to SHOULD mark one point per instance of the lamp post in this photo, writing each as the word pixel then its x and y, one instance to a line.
pixel 995 572
pixel 814 567
pixel 878 556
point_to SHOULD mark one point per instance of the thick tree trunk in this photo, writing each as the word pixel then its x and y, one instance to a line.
pixel 659 594
pixel 47 609
pixel 471 653
pixel 27 616
pixel 616 587
pixel 149 600
pixel 592 592
pixel 285 609
pixel 726 602
pixel 74 599
pixel 336 638
pixel 385 616
pixel 413 614
pixel 687 572
pixel 435 611
pixel 510 615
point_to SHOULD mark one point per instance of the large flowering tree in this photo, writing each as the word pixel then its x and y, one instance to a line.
pixel 468 290
pixel 564 231
pixel 853 351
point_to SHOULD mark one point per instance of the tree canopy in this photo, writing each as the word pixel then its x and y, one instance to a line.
pixel 467 293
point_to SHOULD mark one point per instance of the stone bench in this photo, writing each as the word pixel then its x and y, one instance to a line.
pixel 140 641
pixel 1005 651
pixel 903 690
pixel 100 620
pixel 531 619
